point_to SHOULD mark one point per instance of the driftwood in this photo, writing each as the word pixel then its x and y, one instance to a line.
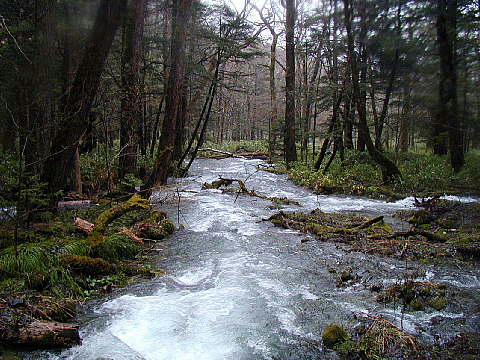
pixel 244 190
pixel 41 334
pixel 431 237
pixel 226 153
pixel 239 155
pixel 369 222
pixel 83 225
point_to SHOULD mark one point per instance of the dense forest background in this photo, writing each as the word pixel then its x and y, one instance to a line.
pixel 101 94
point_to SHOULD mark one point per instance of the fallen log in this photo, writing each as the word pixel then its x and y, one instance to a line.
pixel 431 237
pixel 83 225
pixel 74 204
pixel 369 222
pixel 226 153
pixel 108 216
pixel 41 334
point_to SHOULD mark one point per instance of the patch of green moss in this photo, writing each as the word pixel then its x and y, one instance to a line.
pixel 113 248
pixel 416 295
pixel 438 303
pixel 85 265
pixel 334 335
pixel 156 217
pixel 109 215
pixel 417 305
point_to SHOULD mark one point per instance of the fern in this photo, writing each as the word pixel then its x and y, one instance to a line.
pixel 30 258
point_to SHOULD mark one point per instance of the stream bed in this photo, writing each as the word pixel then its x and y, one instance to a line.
pixel 237 287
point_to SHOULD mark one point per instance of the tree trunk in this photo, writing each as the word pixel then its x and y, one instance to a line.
pixel 290 148
pixel 173 95
pixel 446 37
pixel 273 95
pixel 390 171
pixel 131 104
pixel 82 93
pixel 348 114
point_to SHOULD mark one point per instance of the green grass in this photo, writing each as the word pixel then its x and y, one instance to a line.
pixel 422 173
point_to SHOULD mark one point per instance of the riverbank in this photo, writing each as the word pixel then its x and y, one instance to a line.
pixel 423 174
pixel 47 267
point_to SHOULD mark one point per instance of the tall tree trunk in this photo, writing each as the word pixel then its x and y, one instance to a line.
pixel 166 146
pixel 290 149
pixel 390 171
pixel 379 124
pixel 82 93
pixel 309 96
pixel 446 37
pixel 273 95
pixel 348 114
pixel 403 136
pixel 131 104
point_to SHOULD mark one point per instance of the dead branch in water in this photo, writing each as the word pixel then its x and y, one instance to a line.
pixel 226 153
pixel 244 190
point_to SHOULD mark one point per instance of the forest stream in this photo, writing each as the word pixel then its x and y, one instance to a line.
pixel 237 287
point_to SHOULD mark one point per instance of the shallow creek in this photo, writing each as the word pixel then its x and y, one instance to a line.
pixel 239 288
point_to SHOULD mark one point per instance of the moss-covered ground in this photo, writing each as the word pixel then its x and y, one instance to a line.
pixel 45 266
pixel 441 231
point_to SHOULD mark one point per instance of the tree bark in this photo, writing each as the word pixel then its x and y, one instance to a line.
pixel 131 104
pixel 41 334
pixel 166 146
pixel 290 148
pixel 447 116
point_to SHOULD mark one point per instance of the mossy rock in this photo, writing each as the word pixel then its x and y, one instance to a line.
pixel 85 265
pixel 346 276
pixel 156 231
pixel 156 217
pixel 421 217
pixel 334 335
pixel 468 245
pixel 416 295
pixel 134 270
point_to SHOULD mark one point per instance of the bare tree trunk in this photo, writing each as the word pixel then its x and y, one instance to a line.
pixel 348 116
pixel 290 148
pixel 446 37
pixel 131 104
pixel 403 136
pixel 273 94
pixel 173 96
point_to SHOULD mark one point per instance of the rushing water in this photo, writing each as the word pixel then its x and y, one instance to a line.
pixel 239 288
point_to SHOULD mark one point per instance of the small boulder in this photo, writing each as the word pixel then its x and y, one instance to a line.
pixel 334 335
